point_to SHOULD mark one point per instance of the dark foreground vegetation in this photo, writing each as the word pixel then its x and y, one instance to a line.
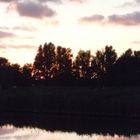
pixel 56 66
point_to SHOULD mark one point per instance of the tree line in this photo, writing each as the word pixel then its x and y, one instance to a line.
pixel 57 66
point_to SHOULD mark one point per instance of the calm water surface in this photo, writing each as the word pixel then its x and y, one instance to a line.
pixel 9 132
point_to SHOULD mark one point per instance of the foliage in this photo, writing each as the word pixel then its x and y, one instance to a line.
pixel 56 66
pixel 82 64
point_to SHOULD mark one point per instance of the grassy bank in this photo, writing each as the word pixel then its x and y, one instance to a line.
pixel 74 101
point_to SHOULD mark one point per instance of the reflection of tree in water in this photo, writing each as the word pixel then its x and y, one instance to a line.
pixel 67 124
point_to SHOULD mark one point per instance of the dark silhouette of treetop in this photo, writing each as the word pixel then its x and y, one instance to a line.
pixel 82 64
pixel 128 53
pixel 64 62
pixel 56 66
pixel 49 59
pixel 98 64
pixel 38 64
pixel 3 61
pixel 137 54
pixel 110 57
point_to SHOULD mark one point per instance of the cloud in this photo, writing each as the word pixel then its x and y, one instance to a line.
pixel 137 1
pixel 91 19
pixel 136 42
pixel 53 22
pixel 5 131
pixel 56 1
pixel 4 28
pixel 21 46
pixel 35 10
pixel 6 34
pixel 125 19
pixel 128 19
pixel 24 28
pixel 21 27
pixel 133 3
pixel 7 0
pixel 7 46
pixel 60 1
pixel 2 46
pixel 44 1
pixel 78 1
pixel 32 9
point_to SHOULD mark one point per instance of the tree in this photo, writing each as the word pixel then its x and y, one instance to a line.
pixel 49 60
pixel 82 64
pixel 64 63
pixel 44 62
pixel 4 62
pixel 137 54
pixel 103 61
pixel 110 57
pixel 9 74
pixel 38 65
pixel 16 66
pixel 27 71
pixel 126 70
pixel 128 53
pixel 97 65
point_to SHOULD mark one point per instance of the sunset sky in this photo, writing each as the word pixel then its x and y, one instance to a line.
pixel 78 24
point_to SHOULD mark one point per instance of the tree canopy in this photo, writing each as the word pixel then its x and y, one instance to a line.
pixel 57 66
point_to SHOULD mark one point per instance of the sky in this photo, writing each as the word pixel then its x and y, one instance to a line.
pixel 75 24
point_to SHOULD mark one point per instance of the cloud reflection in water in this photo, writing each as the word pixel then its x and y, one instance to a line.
pixel 11 133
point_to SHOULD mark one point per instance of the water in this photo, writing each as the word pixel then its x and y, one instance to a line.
pixel 9 132
pixel 24 126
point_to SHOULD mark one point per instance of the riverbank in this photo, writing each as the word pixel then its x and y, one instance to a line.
pixel 73 101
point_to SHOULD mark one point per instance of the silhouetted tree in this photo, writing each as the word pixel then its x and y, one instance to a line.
pixel 44 61
pixel 16 66
pixel 97 65
pixel 137 54
pixel 103 61
pixel 110 57
pixel 56 65
pixel 9 74
pixel 126 70
pixel 82 64
pixel 64 63
pixel 128 53
pixel 49 59
pixel 26 71
pixel 4 62
pixel 38 65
